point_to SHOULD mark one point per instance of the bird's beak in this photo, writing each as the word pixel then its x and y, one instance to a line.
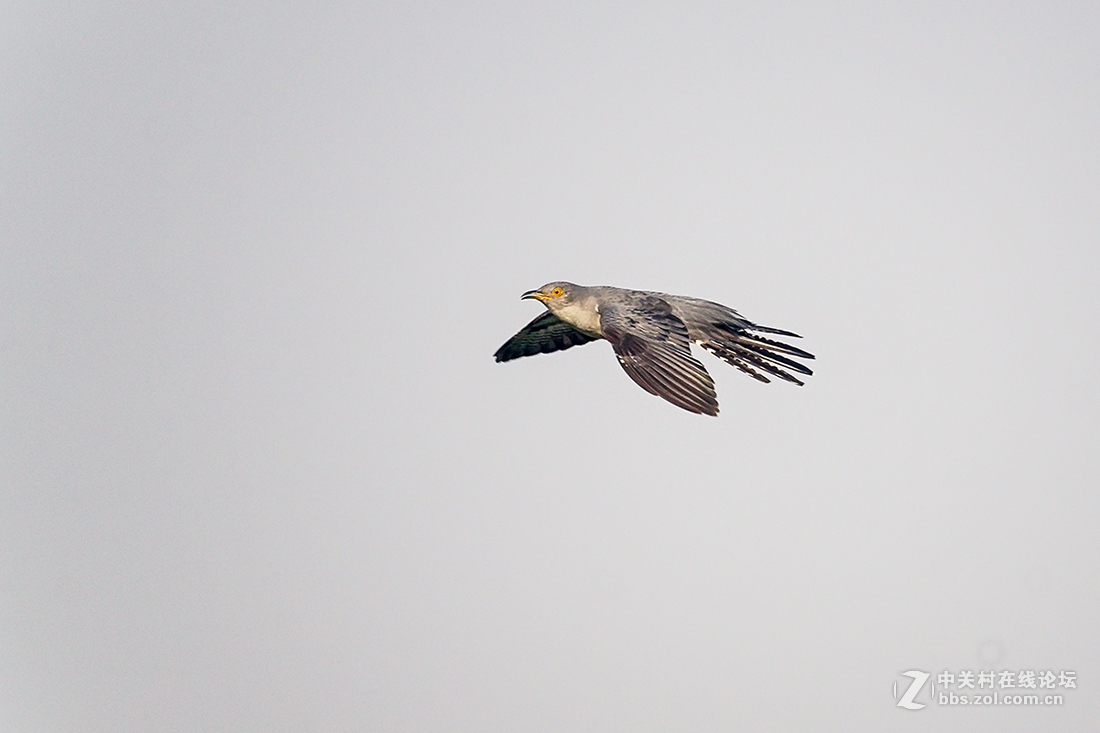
pixel 534 294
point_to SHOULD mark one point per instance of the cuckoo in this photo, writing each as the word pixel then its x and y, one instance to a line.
pixel 651 334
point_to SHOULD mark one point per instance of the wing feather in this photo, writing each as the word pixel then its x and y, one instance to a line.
pixel 543 335
pixel 653 348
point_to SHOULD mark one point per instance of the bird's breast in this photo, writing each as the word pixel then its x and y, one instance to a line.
pixel 582 318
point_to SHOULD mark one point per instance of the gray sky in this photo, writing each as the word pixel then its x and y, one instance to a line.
pixel 260 472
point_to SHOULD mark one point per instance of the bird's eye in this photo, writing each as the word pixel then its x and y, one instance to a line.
pixel 556 292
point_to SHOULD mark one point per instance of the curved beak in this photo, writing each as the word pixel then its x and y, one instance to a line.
pixel 534 295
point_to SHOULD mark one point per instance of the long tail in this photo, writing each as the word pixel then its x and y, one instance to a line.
pixel 750 352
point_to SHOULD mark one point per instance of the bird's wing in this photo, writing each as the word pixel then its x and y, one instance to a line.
pixel 653 347
pixel 541 336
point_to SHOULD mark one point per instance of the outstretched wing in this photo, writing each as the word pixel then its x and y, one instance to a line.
pixel 541 336
pixel 652 346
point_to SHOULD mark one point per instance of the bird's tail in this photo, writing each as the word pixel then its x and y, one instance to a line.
pixel 749 352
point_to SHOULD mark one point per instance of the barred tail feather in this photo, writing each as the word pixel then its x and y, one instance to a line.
pixel 776 331
pixel 730 358
pixel 777 358
pixel 741 336
pixel 771 345
pixel 750 353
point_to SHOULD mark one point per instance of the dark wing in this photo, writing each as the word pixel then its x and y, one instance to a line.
pixel 541 336
pixel 652 346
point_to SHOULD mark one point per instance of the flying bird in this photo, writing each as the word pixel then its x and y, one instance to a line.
pixel 652 334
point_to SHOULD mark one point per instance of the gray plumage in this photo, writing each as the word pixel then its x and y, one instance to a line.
pixel 652 334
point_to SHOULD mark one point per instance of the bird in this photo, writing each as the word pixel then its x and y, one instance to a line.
pixel 652 333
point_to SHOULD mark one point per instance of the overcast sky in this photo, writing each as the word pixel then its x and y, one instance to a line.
pixel 259 470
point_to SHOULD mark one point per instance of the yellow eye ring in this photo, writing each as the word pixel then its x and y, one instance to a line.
pixel 556 292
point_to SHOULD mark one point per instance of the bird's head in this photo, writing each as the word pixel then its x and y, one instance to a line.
pixel 554 295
